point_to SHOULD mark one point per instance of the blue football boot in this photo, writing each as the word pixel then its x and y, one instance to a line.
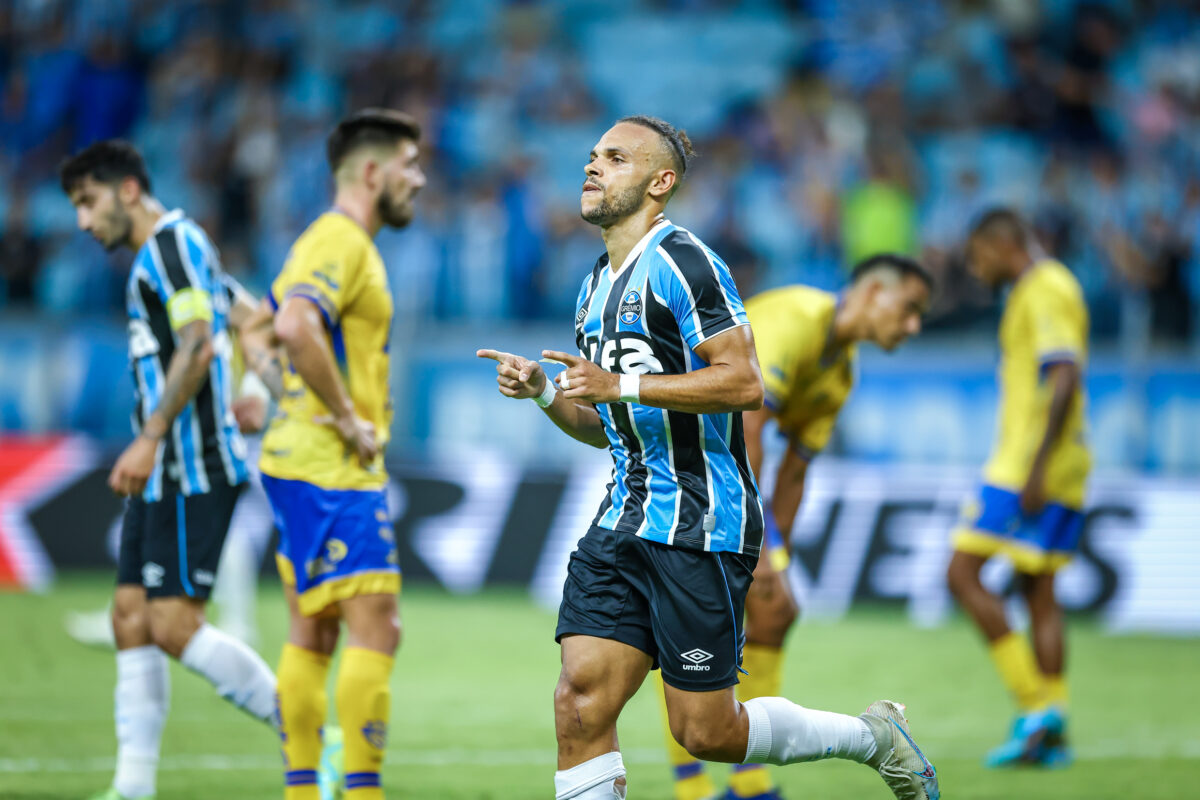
pixel 1036 739
pixel 331 772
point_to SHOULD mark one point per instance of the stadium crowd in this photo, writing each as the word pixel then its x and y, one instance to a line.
pixel 827 129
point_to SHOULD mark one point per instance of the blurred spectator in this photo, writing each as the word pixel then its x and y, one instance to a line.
pixel 879 216
pixel 20 253
pixel 108 92
pixel 827 130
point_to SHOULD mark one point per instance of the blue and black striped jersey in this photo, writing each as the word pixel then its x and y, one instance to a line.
pixel 178 267
pixel 680 479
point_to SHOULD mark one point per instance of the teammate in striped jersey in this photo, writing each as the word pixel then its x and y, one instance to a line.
pixel 807 345
pixel 666 365
pixel 183 471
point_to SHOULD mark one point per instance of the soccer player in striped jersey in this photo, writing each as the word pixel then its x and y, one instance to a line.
pixel 807 347
pixel 1030 506
pixel 322 462
pixel 183 471
pixel 666 365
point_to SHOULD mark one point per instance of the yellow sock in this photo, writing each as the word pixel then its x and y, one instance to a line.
pixel 301 698
pixel 691 781
pixel 1014 660
pixel 765 667
pixel 364 701
pixel 1056 690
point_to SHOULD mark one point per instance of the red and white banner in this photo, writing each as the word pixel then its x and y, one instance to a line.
pixel 33 470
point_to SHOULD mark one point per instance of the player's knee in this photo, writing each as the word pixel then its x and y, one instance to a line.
pixel 573 707
pixel 708 742
pixel 960 577
pixel 373 621
pixel 325 636
pixel 172 625
pixel 391 632
pixel 316 635
pixel 567 694
pixel 383 635
pixel 168 639
pixel 129 613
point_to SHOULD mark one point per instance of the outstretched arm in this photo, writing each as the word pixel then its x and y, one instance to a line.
pixel 730 382
pixel 521 378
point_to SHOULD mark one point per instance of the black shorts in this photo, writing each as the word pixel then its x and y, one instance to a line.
pixel 172 546
pixel 682 607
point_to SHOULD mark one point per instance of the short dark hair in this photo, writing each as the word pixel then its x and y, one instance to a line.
pixel 371 126
pixel 1002 220
pixel 678 143
pixel 900 263
pixel 107 161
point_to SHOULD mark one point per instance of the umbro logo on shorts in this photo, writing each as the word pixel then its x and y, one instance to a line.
pixel 152 575
pixel 697 657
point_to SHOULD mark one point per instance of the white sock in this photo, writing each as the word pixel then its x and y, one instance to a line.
pixel 237 583
pixel 237 673
pixel 140 704
pixel 592 780
pixel 782 732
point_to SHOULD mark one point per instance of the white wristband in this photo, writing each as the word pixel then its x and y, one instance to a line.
pixel 549 392
pixel 630 387
pixel 253 386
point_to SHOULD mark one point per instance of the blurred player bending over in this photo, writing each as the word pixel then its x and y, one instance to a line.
pixel 185 468
pixel 805 340
pixel 1029 508
pixel 322 463
pixel 234 591
pixel 660 579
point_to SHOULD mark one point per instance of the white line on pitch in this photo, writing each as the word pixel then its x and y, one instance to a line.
pixel 1097 751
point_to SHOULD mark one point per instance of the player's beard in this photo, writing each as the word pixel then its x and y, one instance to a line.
pixel 619 206
pixel 395 213
pixel 119 227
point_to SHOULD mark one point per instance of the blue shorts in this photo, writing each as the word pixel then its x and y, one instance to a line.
pixel 333 543
pixel 1039 543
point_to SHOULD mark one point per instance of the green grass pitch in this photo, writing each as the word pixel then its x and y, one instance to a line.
pixel 472 714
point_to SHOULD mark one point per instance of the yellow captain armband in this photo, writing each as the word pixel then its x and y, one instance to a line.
pixel 188 305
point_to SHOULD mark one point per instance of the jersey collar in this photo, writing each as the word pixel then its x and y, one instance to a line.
pixel 169 218
pixel 636 252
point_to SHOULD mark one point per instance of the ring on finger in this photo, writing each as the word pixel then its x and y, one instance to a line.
pixel 565 382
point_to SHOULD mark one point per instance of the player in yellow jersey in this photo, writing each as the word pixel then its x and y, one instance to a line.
pixel 806 340
pixel 322 462
pixel 1029 508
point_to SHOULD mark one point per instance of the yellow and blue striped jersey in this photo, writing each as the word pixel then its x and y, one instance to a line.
pixel 336 266
pixel 1045 322
pixel 806 386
